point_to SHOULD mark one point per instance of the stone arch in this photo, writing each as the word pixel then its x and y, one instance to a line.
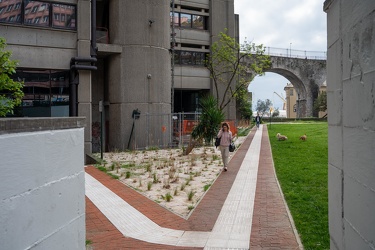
pixel 299 87
pixel 306 75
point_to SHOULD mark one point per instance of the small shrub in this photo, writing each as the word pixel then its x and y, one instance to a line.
pixel 113 176
pixel 103 169
pixel 168 197
pixel 155 177
pixel 191 195
pixel 149 185
pixel 183 185
pixel 127 174
pixel 206 187
pixel 190 207
pixel 175 191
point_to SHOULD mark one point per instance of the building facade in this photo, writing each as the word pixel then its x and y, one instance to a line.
pixel 114 61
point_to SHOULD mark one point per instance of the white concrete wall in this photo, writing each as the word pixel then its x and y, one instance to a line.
pixel 351 118
pixel 42 190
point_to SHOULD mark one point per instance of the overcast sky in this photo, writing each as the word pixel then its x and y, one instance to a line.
pixel 295 24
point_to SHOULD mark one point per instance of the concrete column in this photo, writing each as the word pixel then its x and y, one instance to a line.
pixel 140 78
pixel 351 109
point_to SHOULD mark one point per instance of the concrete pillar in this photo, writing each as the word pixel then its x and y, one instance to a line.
pixel 351 119
pixel 140 77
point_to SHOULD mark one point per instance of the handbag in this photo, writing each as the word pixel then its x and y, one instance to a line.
pixel 217 141
pixel 232 147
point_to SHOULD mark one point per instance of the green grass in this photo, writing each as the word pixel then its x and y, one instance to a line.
pixel 302 170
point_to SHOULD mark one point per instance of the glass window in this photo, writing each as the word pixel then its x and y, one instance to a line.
pixel 46 92
pixel 174 19
pixel 35 8
pixel 35 12
pixel 185 20
pixel 177 57
pixel 198 58
pixel 64 16
pixel 9 12
pixel 186 57
pixel 10 7
pixel 291 92
pixel 198 22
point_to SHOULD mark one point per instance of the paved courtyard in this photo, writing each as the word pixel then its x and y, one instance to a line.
pixel 243 209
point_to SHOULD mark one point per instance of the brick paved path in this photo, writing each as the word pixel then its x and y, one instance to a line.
pixel 271 228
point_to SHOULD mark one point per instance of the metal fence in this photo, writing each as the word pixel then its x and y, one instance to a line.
pixel 293 53
pixel 165 130
pixel 162 130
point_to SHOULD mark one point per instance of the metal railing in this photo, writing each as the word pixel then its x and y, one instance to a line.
pixel 162 130
pixel 293 53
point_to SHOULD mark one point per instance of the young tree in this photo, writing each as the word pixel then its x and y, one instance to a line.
pixel 320 103
pixel 263 107
pixel 10 91
pixel 208 125
pixel 230 71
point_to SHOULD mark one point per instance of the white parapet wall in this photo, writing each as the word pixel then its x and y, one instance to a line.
pixel 42 184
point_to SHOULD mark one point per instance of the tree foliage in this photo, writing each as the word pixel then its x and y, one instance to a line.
pixel 10 91
pixel 243 104
pixel 320 103
pixel 263 107
pixel 209 123
pixel 228 69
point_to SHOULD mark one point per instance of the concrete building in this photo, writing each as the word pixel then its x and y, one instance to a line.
pixel 351 123
pixel 118 54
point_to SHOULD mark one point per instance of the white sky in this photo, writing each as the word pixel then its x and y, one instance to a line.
pixel 295 24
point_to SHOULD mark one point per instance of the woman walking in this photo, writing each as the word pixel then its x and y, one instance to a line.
pixel 225 136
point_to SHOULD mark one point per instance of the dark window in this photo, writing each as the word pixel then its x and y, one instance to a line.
pixel 46 92
pixel 186 57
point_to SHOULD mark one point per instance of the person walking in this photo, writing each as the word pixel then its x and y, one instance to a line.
pixel 225 136
pixel 257 120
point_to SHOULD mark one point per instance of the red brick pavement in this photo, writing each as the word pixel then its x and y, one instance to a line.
pixel 270 225
pixel 271 228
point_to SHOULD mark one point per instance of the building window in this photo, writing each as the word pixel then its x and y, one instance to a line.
pixel 10 7
pixel 186 20
pixel 291 92
pixel 66 16
pixel 46 93
pixel 35 8
pixel 198 22
pixel 189 58
pixel 39 13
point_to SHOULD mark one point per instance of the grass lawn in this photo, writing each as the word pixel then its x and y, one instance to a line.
pixel 302 170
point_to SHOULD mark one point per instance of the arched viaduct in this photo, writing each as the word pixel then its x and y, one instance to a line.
pixel 306 75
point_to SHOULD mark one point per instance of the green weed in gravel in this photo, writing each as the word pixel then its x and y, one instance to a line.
pixel 302 170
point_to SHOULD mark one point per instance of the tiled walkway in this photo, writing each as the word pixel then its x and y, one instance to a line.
pixel 238 212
